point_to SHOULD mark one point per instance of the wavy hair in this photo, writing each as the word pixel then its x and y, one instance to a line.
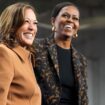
pixel 11 20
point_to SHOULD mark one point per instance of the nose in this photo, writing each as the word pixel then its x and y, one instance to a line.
pixel 70 19
pixel 31 26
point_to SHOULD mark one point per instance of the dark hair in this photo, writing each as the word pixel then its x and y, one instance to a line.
pixel 59 6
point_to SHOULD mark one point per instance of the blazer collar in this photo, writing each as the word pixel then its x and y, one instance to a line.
pixel 22 53
pixel 76 59
pixel 53 52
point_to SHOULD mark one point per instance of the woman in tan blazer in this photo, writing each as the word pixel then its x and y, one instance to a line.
pixel 18 27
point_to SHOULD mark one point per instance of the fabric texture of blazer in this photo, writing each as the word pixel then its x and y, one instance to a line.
pixel 18 84
pixel 47 72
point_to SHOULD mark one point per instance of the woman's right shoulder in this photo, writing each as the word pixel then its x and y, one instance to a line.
pixel 4 50
pixel 40 45
pixel 40 40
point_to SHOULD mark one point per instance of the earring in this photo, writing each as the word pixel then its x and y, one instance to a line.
pixel 76 35
pixel 53 28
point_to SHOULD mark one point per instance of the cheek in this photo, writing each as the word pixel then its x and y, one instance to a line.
pixel 20 30
pixel 36 29
pixel 59 25
pixel 19 35
pixel 78 25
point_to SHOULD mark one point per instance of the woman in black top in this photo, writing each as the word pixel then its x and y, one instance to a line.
pixel 60 69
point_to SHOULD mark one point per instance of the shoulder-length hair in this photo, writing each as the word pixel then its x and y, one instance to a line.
pixel 11 19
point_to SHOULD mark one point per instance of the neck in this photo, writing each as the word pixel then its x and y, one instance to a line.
pixel 63 42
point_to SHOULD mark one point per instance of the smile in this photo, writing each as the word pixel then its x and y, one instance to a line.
pixel 68 27
pixel 28 36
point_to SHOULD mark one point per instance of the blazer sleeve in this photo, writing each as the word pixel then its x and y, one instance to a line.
pixel 6 74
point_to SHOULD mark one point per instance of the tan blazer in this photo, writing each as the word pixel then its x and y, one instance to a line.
pixel 18 85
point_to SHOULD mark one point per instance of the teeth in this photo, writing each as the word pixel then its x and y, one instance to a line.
pixel 29 36
pixel 68 26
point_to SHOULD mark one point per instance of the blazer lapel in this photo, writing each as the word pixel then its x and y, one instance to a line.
pixel 53 53
pixel 77 66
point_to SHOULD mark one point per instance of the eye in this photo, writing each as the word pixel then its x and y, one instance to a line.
pixel 76 18
pixel 66 15
pixel 26 21
pixel 35 22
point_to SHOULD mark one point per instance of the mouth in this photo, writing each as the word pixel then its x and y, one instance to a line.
pixel 28 35
pixel 68 27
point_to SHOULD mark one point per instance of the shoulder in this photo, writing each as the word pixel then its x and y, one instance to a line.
pixel 4 49
pixel 83 59
pixel 6 57
pixel 80 56
pixel 2 46
pixel 6 52
pixel 39 43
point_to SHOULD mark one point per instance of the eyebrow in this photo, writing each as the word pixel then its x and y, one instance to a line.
pixel 70 14
pixel 30 19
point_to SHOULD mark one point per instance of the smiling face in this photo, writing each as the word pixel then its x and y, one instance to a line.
pixel 66 22
pixel 26 33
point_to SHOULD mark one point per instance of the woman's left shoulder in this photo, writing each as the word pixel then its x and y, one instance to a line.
pixel 80 56
pixel 83 59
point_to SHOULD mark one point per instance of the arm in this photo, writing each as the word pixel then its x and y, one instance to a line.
pixel 6 74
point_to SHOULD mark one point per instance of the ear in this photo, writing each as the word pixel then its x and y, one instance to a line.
pixel 52 21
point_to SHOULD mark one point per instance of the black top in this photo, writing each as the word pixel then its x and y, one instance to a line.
pixel 66 77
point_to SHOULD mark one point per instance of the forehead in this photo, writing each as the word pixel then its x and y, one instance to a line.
pixel 29 13
pixel 70 10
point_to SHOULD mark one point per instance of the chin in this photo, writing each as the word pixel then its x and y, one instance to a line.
pixel 67 35
pixel 28 44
